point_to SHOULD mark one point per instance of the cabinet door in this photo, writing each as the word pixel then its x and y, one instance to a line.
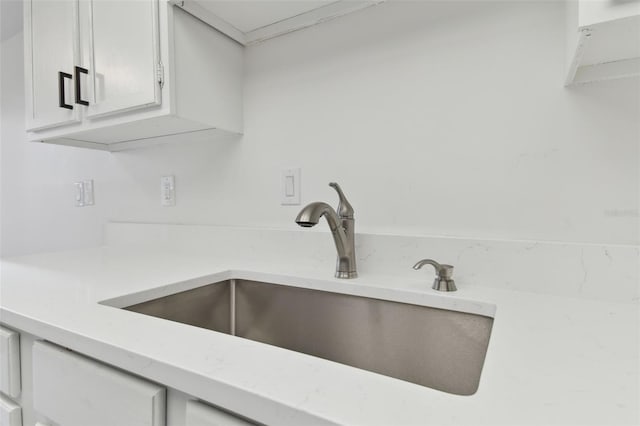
pixel 199 414
pixel 10 413
pixel 121 42
pixel 51 46
pixel 72 390
pixel 9 362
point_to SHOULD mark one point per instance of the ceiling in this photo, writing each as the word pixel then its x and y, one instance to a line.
pixel 250 15
pixel 244 15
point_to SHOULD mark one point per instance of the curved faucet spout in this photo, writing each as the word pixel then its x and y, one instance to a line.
pixel 310 216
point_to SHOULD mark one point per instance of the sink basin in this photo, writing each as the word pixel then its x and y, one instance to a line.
pixel 432 347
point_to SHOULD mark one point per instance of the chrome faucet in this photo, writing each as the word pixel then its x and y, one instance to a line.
pixel 342 226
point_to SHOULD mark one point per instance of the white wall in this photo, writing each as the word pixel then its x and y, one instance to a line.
pixel 37 211
pixel 435 118
pixel 456 126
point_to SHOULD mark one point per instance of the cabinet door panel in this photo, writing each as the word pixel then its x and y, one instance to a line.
pixel 10 413
pixel 9 362
pixel 199 414
pixel 123 54
pixel 72 390
pixel 50 48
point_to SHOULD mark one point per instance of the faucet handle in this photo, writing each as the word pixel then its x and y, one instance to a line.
pixel 444 280
pixel 345 211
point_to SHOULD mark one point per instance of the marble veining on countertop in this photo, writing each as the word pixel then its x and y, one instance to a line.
pixel 553 358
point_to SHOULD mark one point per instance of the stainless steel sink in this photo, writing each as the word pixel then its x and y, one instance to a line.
pixel 441 349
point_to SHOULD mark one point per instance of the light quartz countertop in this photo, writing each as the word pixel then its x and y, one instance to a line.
pixel 551 359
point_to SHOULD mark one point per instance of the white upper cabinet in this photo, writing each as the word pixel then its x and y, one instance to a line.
pixel 603 40
pixel 120 74
pixel 52 44
pixel 121 53
pixel 250 22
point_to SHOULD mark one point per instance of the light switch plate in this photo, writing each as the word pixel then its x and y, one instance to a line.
pixel 87 192
pixel 167 191
pixel 290 187
pixel 79 194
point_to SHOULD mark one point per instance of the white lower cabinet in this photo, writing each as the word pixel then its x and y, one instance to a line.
pixel 199 414
pixel 72 390
pixel 9 362
pixel 61 387
pixel 10 413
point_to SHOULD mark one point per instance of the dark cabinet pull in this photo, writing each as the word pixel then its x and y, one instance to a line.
pixel 79 70
pixel 61 101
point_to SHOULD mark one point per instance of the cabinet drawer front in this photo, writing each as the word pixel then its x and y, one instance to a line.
pixel 199 414
pixel 9 362
pixel 73 390
pixel 10 413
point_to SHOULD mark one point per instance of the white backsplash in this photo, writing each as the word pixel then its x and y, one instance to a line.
pixel 602 272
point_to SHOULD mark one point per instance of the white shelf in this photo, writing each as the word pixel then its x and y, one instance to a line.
pixel 603 50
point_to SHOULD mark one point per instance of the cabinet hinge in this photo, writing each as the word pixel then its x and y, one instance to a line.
pixel 160 74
